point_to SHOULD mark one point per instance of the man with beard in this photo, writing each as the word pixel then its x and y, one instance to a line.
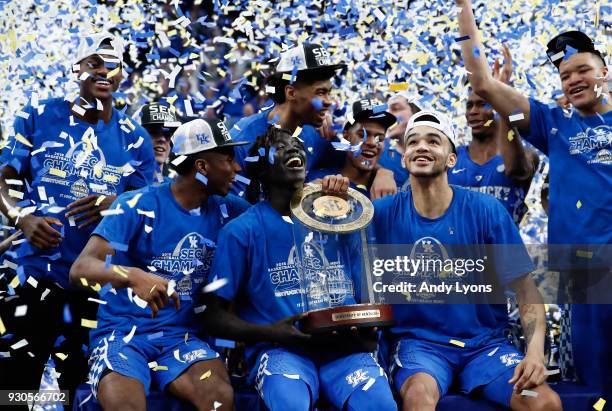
pixel 302 98
pixel 438 344
pixel 160 122
pixel 365 133
pixel 578 145
pixel 258 271
pixel 481 167
pixel 75 158
pixel 160 247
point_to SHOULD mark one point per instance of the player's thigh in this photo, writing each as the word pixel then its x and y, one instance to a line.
pixel 118 392
pixel 288 366
pixel 421 366
pixel 203 384
pixel 342 376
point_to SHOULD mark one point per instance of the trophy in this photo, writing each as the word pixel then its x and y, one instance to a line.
pixel 331 245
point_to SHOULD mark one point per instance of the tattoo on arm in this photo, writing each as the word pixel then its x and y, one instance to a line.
pixel 529 320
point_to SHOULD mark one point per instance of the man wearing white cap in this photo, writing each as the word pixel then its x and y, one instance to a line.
pixel 157 249
pixel 435 345
pixel 73 157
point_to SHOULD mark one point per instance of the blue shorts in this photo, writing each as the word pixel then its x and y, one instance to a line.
pixel 488 368
pixel 160 360
pixel 337 378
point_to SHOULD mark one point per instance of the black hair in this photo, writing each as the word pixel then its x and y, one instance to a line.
pixel 303 78
pixel 187 165
pixel 414 108
pixel 257 171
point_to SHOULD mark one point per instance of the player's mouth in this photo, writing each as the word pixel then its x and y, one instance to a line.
pixel 476 123
pixel 577 91
pixel 368 154
pixel 295 163
pixel 159 149
pixel 423 159
pixel 102 84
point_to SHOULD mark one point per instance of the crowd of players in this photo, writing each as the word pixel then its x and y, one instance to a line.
pixel 140 241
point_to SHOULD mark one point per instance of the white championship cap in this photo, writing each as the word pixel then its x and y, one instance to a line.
pixel 433 119
pixel 90 45
pixel 201 135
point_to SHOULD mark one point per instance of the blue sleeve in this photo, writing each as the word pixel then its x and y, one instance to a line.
pixel 145 158
pixel 120 229
pixel 15 153
pixel 236 205
pixel 540 123
pixel 380 222
pixel 231 260
pixel 510 255
pixel 321 153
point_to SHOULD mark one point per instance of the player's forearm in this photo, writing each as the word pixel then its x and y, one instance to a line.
pixel 533 315
pixel 472 50
pixel 8 203
pixel 516 161
pixel 95 271
pixel 219 321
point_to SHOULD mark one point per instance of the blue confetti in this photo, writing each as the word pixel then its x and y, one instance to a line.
pixel 317 103
pixel 201 177
pixel 271 155
pixel 118 246
pixel 107 262
pixel 67 314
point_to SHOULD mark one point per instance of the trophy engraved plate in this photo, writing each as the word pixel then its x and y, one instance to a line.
pixel 330 243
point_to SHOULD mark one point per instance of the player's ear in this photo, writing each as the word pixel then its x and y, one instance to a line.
pixel 290 92
pixel 451 160
pixel 201 166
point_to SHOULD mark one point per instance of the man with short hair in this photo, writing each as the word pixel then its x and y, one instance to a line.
pixel 489 165
pixel 158 247
pixel 403 106
pixel 364 135
pixel 438 344
pixel 160 122
pixel 74 158
pixel 302 89
pixel 578 145
pixel 259 270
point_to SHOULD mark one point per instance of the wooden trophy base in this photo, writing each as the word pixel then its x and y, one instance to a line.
pixel 343 317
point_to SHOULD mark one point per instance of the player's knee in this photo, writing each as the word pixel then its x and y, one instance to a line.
pixel 377 398
pixel 547 400
pixel 121 401
pixel 206 395
pixel 287 395
pixel 417 394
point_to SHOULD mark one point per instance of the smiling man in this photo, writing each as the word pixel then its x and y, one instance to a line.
pixel 437 345
pixel 365 132
pixel 578 143
pixel 74 158
pixel 168 251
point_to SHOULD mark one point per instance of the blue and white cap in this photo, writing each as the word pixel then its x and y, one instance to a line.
pixel 306 57
pixel 90 45
pixel 202 135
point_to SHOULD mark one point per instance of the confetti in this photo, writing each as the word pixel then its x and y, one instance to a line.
pixel 529 393
pixel 89 323
pixel 205 375
pixel 457 343
pixel 599 405
pixel 130 335
pixel 2 327
pixel 516 117
pixel 215 285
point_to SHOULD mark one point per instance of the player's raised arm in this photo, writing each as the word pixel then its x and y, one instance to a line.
pixel 504 99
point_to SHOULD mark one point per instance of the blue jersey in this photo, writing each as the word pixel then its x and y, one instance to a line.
pixel 64 159
pixel 154 233
pixel 472 218
pixel 318 150
pixel 262 268
pixel 580 156
pixel 322 172
pixel 489 178
pixel 392 160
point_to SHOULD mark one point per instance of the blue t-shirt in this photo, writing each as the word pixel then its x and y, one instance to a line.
pixel 580 156
pixel 472 218
pixel 392 160
pixel 318 150
pixel 322 172
pixel 262 266
pixel 489 178
pixel 165 239
pixel 67 162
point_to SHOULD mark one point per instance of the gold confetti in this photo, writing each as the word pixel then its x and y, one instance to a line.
pixel 83 281
pixel 510 135
pixel 160 368
pixel 584 253
pixel 14 282
pixel 99 200
pixel 297 131
pixel 398 86
pixel 488 123
pixel 134 200
pixel 599 405
pixel 89 323
pixel 113 72
pixel 23 140
pixel 578 204
pixel 287 77
pixel 120 270
pixel 2 327
pixel 206 375
pixel 61 355
pixel 457 343
pixel 57 172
